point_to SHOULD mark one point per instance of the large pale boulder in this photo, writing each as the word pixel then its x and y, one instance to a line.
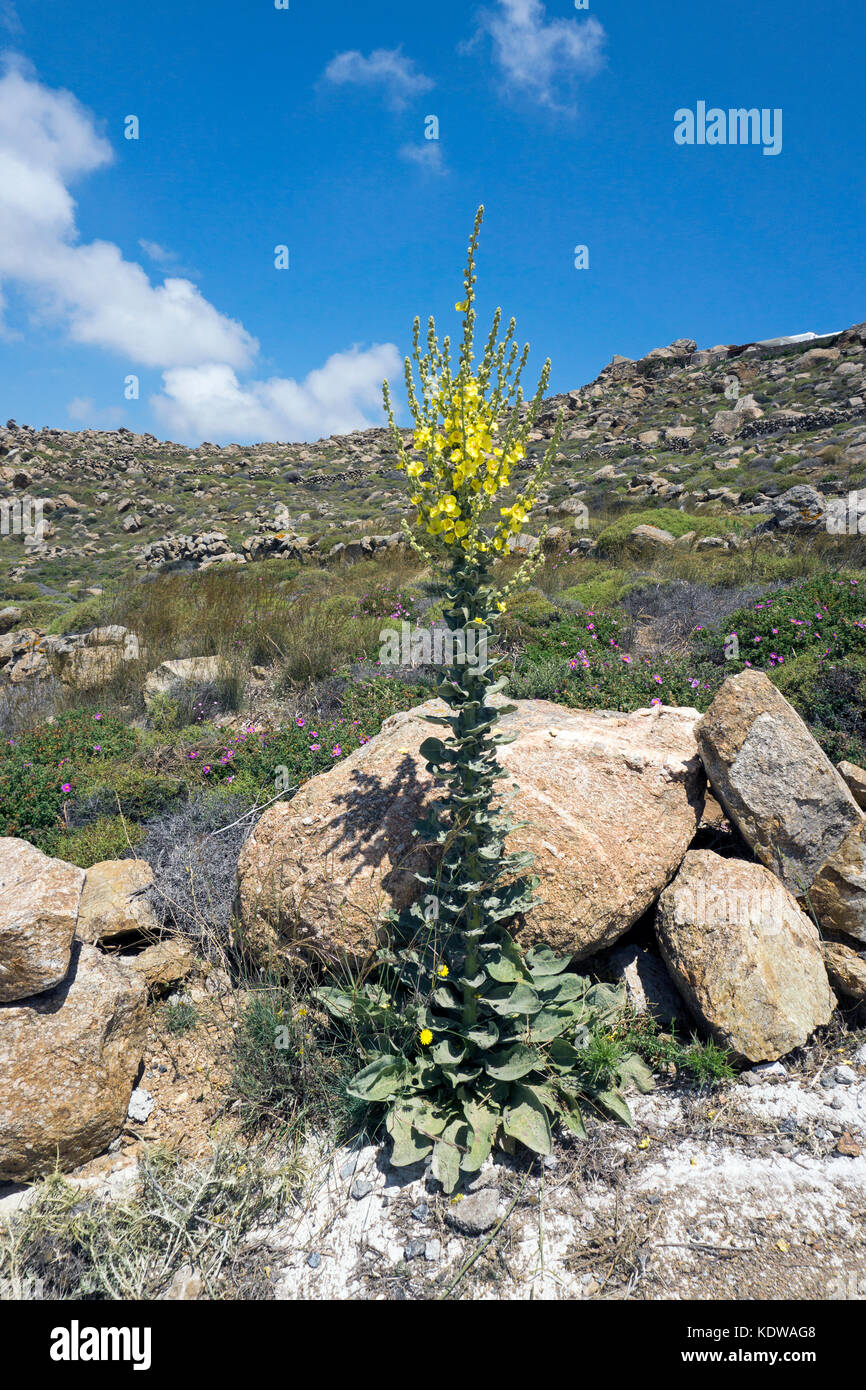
pixel 610 801
pixel 786 797
pixel 39 899
pixel 68 1060
pixel 744 955
pixel 171 677
pixel 115 902
pixel 854 778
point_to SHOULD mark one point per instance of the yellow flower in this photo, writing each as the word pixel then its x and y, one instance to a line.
pixel 461 308
pixel 426 1037
pixel 302 1013
pixel 442 972
pixel 644 1144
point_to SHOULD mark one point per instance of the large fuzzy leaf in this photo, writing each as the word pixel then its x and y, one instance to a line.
pixel 520 1002
pixel 613 1103
pixel 408 1146
pixel 380 1080
pixel 526 1119
pixel 483 1122
pixel 512 1065
pixel 448 1152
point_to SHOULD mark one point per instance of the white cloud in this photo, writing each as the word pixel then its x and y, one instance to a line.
pixel 387 68
pixel 47 141
pixel 540 57
pixel 427 156
pixel 155 252
pixel 209 401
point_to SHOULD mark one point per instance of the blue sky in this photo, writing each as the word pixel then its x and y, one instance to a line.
pixel 305 127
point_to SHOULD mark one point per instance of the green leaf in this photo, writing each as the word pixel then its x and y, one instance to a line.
pixel 408 1147
pixel 435 751
pixel 444 999
pixel 483 1122
pixel 448 1153
pixel 484 1035
pixel 613 1103
pixel 549 1024
pixel 562 989
pixel 511 1065
pixel 378 1081
pixel 526 1119
pixel 562 1055
pixel 448 1052
pixel 542 962
pixel 520 1002
pixel 571 1116
pixel 634 1068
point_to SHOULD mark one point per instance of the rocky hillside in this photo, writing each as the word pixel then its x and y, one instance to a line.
pixel 722 430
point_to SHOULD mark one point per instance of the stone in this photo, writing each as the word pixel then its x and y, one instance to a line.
pixel 854 778
pixel 39 901
pixel 650 538
pixel 68 1060
pixel 476 1213
pixel 744 955
pixel 186 1285
pixel 838 893
pixel 162 965
pixel 847 969
pixel 141 1106
pixel 783 793
pixel 10 617
pixel 115 902
pixel 610 803
pixel 648 986
pixel 801 508
pixel 170 677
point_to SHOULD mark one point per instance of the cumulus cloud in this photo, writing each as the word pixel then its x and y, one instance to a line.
pixel 386 68
pixel 334 399
pixel 47 142
pixel 427 156
pixel 542 58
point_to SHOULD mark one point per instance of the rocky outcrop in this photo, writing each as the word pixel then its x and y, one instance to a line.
pixel 744 955
pixel 39 899
pixel 611 803
pixel 68 1061
pixel 786 797
pixel 115 902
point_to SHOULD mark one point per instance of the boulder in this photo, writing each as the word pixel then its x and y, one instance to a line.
pixel 847 969
pixel 68 1060
pixel 648 986
pixel 39 900
pixel 170 677
pixel 649 538
pixel 854 778
pixel 837 896
pixel 115 902
pixel 162 965
pixel 785 796
pixel 611 803
pixel 801 508
pixel 744 955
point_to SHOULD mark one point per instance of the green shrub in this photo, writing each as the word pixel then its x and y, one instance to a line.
pixel 107 837
pixel 614 536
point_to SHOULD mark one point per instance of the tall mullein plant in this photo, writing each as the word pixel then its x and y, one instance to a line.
pixel 469 1040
